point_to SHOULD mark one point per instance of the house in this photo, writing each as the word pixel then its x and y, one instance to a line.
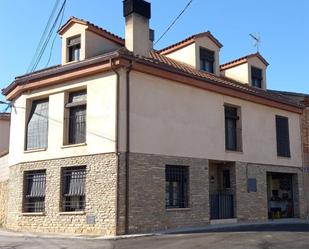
pixel 4 169
pixel 121 138
pixel 303 99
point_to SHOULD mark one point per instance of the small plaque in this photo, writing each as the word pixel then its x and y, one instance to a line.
pixel 90 219
pixel 252 185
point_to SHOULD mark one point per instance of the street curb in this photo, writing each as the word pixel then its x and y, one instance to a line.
pixel 209 228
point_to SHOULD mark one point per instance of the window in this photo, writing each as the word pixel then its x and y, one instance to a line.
pixel 256 77
pixel 232 129
pixel 207 59
pixel 177 180
pixel 283 138
pixel 74 48
pixel 34 191
pixel 73 189
pixel 76 122
pixel 37 125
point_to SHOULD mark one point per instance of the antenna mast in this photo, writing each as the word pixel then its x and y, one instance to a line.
pixel 257 39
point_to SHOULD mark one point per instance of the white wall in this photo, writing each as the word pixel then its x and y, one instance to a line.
pixel 186 55
pixel 100 136
pixel 239 73
pixel 175 119
pixel 4 135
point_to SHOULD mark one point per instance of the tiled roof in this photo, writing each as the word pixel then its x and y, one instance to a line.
pixel 94 27
pixel 223 81
pixel 241 60
pixel 188 40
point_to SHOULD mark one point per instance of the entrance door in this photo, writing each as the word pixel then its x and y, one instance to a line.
pixel 222 200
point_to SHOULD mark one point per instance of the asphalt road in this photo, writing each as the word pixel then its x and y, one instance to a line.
pixel 274 237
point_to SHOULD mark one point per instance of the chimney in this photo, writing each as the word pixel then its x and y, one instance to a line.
pixel 139 38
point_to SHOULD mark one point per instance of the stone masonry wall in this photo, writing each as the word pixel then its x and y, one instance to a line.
pixel 3 201
pixel 101 185
pixel 253 206
pixel 147 210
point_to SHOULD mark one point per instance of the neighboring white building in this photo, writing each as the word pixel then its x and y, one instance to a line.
pixel 120 138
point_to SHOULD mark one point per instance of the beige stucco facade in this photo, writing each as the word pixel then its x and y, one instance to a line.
pixel 100 137
pixel 242 71
pixel 190 54
pixel 169 118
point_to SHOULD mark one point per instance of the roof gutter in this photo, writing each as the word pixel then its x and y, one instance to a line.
pixel 59 74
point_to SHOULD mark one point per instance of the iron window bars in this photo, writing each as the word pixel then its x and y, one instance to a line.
pixel 177 185
pixel 73 189
pixel 76 122
pixel 34 191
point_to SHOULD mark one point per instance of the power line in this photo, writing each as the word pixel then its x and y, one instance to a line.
pixel 53 43
pixel 48 37
pixel 43 36
pixel 173 23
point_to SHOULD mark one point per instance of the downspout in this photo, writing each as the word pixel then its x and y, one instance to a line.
pixel 127 168
pixel 116 142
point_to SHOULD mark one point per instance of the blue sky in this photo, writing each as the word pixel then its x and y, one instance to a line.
pixel 283 26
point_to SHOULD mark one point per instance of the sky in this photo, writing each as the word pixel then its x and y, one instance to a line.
pixel 283 26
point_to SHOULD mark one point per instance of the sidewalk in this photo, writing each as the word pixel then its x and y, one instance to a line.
pixel 235 227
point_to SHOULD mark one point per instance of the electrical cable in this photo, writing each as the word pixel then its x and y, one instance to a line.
pixel 48 37
pixel 43 34
pixel 175 20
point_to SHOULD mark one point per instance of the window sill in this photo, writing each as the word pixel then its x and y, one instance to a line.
pixel 177 209
pixel 33 214
pixel 34 150
pixel 284 157
pixel 73 145
pixel 73 213
pixel 234 151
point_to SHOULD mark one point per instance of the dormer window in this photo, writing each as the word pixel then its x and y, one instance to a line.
pixel 256 77
pixel 74 49
pixel 207 59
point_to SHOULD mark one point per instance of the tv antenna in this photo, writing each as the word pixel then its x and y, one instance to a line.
pixel 257 41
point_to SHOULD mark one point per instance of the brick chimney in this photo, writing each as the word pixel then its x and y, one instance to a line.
pixel 138 36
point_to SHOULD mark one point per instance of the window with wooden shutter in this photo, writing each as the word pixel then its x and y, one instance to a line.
pixel 37 125
pixel 34 191
pixel 283 137
pixel 207 59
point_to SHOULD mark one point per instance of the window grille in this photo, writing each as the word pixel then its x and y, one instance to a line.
pixel 34 191
pixel 37 126
pixel 207 59
pixel 73 189
pixel 77 117
pixel 177 183
pixel 283 137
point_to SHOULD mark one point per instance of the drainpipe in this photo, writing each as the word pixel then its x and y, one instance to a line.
pixel 116 141
pixel 128 71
